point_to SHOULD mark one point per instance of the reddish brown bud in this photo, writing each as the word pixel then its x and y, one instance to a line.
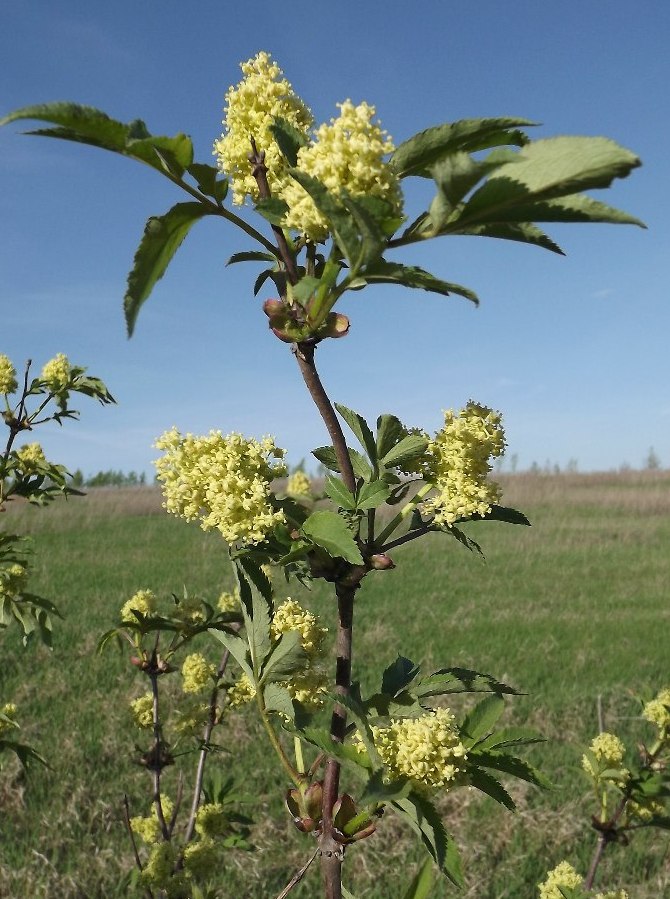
pixel 381 562
pixel 273 307
pixel 335 325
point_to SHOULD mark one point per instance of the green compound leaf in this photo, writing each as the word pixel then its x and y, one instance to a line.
pixel 251 256
pixel 272 209
pixel 481 720
pixel 510 736
pixel 163 236
pixel 411 447
pixel 330 531
pixel 378 790
pixel 390 431
pixel 239 650
pixel 384 272
pixel 521 232
pixel 502 513
pixel 415 155
pixel 463 538
pixel 509 764
pixel 424 819
pixel 326 455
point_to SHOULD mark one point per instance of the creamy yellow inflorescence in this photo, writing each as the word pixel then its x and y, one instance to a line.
pixel 8 382
pixel 223 481
pixel 31 456
pixel 298 484
pixel 197 673
pixel 608 750
pixel 457 463
pixel 57 372
pixel 290 616
pixel 658 710
pixel 563 875
pixel 348 154
pixel 142 710
pixel 13 579
pixel 427 750
pixel 144 602
pixel 251 108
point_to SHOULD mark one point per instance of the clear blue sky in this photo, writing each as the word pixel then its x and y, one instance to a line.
pixel 573 350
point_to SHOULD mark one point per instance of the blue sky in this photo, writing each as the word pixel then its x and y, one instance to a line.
pixel 572 350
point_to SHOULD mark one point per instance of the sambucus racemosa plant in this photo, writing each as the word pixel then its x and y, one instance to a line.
pixel 333 199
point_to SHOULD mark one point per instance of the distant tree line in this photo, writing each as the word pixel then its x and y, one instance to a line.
pixel 109 478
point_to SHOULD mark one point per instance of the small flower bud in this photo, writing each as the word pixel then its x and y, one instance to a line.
pixel 273 307
pixel 335 325
pixel 381 562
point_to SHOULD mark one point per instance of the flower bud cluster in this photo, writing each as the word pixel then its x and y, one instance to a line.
pixel 13 579
pixel 144 602
pixel 566 877
pixel 223 481
pixel 658 710
pixel 31 457
pixel 251 108
pixel 299 484
pixel 57 373
pixel 149 829
pixel 457 463
pixel 142 710
pixel 346 155
pixel 608 751
pixel 427 750
pixel 198 674
pixel 8 383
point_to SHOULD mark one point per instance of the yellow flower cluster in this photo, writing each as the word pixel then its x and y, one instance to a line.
pixel 427 750
pixel 31 456
pixel 658 710
pixel 223 481
pixel 251 108
pixel 56 373
pixel 309 689
pixel 608 750
pixel 158 870
pixel 148 829
pixel 290 616
pixel 197 673
pixel 201 857
pixel 241 692
pixel 612 894
pixel 7 375
pixel 298 484
pixel 457 463
pixel 189 610
pixel 346 155
pixel 646 812
pixel 228 602
pixel 143 711
pixel 191 716
pixel 563 875
pixel 13 579
pixel 211 820
pixel 144 602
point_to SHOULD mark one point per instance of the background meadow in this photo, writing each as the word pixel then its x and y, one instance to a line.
pixel 573 612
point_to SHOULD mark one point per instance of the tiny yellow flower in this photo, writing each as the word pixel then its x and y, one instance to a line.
pixel 8 383
pixel 347 155
pixel 200 857
pixel 149 828
pixel 189 610
pixel 197 672
pixel 251 109
pixel 309 688
pixel 608 750
pixel 13 579
pixel 563 875
pixel 646 811
pixel 223 481
pixel 159 867
pixel 143 711
pixel 144 602
pixel 56 373
pixel 612 894
pixel 299 484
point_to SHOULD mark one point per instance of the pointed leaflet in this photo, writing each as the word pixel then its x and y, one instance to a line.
pixel 251 256
pixel 398 675
pixel 503 513
pixel 360 429
pixel 326 455
pixel 286 657
pixel 509 764
pixel 379 790
pixel 288 138
pixel 424 819
pixel 339 494
pixel 384 272
pixel 372 495
pixel 330 531
pixel 510 736
pixel 459 680
pixel 546 170
pixel 163 235
pixel 208 179
pixel 422 883
pixel 463 538
pixel 489 785
pixel 521 232
pixel 457 173
pixel 480 720
pixel 390 430
pixel 413 446
pixel 414 155
pixel 238 649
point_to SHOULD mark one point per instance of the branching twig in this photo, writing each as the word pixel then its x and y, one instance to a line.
pixel 138 861
pixel 298 876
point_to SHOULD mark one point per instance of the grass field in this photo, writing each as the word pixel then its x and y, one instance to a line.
pixel 573 611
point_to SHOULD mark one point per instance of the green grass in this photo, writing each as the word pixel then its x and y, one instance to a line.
pixel 569 611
